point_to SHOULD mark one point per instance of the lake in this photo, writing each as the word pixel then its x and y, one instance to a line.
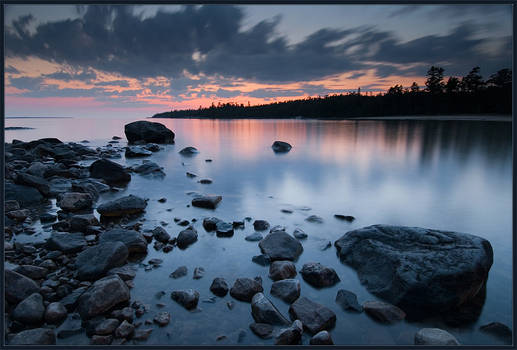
pixel 449 175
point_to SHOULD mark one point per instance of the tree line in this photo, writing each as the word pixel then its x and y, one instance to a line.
pixel 456 95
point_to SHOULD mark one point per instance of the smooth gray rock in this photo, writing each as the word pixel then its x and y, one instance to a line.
pixel 161 235
pixel 123 206
pixel 31 271
pixel 148 132
pixel 299 234
pixel 262 330
pixel 287 289
pixel 136 152
pixel 281 147
pixel 186 237
pixel 418 268
pixel 245 288
pixel 125 272
pixel 263 311
pixel 134 240
pixel 55 313
pixel 260 225
pixel 149 168
pixel 315 317
pixel 318 275
pixel 210 224
pixel 291 335
pixel 280 270
pixel 35 336
pixel 71 326
pixel 94 262
pixel 321 338
pixel 279 245
pixel 25 195
pixel 80 223
pixel 74 201
pixel 37 182
pixel 107 326
pixel 254 237
pixel 207 201
pixel 219 287
pixel 434 336
pixel 384 312
pixel 348 301
pixel 102 296
pixel 179 272
pixel 66 242
pixel 18 287
pixel 315 219
pixel 187 298
pixel 188 151
pixel 111 172
pixel 224 229
pixel 30 310
pixel 70 301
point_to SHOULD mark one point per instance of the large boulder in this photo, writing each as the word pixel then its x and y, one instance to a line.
pixel 18 287
pixel 315 317
pixel 95 261
pixel 122 206
pixel 134 241
pixel 31 271
pixel 25 195
pixel 279 245
pixel 102 296
pixel 35 336
pixel 148 132
pixel 418 268
pixel 37 182
pixel 111 172
pixel 66 242
pixel 263 311
pixel 30 310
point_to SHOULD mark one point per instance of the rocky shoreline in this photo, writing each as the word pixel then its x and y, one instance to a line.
pixel 79 280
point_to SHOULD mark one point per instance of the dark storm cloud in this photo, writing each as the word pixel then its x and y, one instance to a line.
pixel 210 40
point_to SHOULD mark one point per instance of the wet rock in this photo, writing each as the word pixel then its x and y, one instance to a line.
pixel 279 245
pixel 299 234
pixel 199 272
pixel 148 132
pixel 224 229
pixel 31 271
pixel 142 334
pixel 418 268
pixel 102 296
pixel 279 270
pixel 153 147
pixel 183 222
pixel 18 287
pixel 191 175
pixel 101 340
pixel 124 330
pixel 149 168
pixel 161 235
pixel 37 169
pixel 80 223
pixel 318 275
pixel 134 241
pixel 238 225
pixel 162 319
pixel 287 289
pixel 348 301
pixel 434 336
pixel 321 338
pixel 36 336
pixel 315 317
pixel 30 310
pixel 207 201
pixel 219 287
pixel 262 330
pixel 179 272
pixel 70 301
pixel 66 242
pixel 263 311
pixel 136 151
pixel 245 288
pixel 37 182
pixel 55 313
pixel 315 219
pixel 75 201
pixel 205 181
pixel 286 211
pixel 187 298
pixel 122 206
pixel 94 262
pixel 112 173
pixel 254 237
pixel 383 312
pixel 71 326
pixel 19 215
pixel 291 335
pixel 344 217
pixel 11 205
pixel 188 151
pixel 186 237
pixel 261 259
pixel 281 147
pixel 498 330
pixel 260 225
pixel 210 224
pixel 24 195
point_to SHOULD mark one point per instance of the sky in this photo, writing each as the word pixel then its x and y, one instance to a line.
pixel 138 60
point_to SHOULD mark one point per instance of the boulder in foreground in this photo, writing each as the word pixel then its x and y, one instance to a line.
pixel 315 317
pixel 111 172
pixel 102 296
pixel 122 206
pixel 148 132
pixel 279 245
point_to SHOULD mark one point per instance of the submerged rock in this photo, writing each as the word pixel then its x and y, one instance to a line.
pixel 315 219
pixel 418 268
pixel 348 301
pixel 498 330
pixel 384 312
pixel 148 132
pixel 210 224
pixel 434 336
pixel 207 202
pixel 315 317
pixel 219 287
pixel 279 245
pixel 137 151
pixel 262 330
pixel 187 298
pixel 348 218
pixel 189 151
pixel 224 229
pixel 299 234
pixel 318 275
pixel 179 272
pixel 112 173
pixel 162 319
pixel 122 206
pixel 254 237
pixel 149 168
pixel 161 235
pixel 186 237
pixel 281 146
pixel 263 311
pixel 260 225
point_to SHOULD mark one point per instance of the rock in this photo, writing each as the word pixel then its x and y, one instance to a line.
pixel 245 288
pixel 191 175
pixel 18 287
pixel 162 319
pixel 210 224
pixel 102 296
pixel 24 195
pixel 122 206
pixel 186 237
pixel 254 237
pixel 263 311
pixel 179 272
pixel 37 169
pixel 281 147
pixel 70 301
pixel 37 182
pixel 434 336
pixel 238 225
pixel 279 270
pixel 205 181
pixel 315 219
pixel 416 268
pixel 261 259
pixel 80 223
pixel 142 334
pixel 344 217
pixel 136 151
pixel 66 242
pixel 101 340
pixel 19 215
pixel 318 275
pixel 315 317
pixel 11 205
pixel 498 330
pixel 299 234
pixel 224 229
pixel 71 326
pixel 291 335
pixel 95 261
pixel 148 132
pixel 383 312
pixel 36 336
pixel 199 272
pixel 219 287
pixel 183 222
pixel 348 301
pixel 187 298
pixel 31 271
pixel 45 218
pixel 260 225
pixel 279 245
pixel 321 338
pixel 287 289
pixel 112 173
pixel 262 330
pixel 134 240
pixel 75 201
pixel 188 151
pixel 30 310
pixel 124 330
pixel 207 201
pixel 149 168
pixel 161 235
pixel 55 313
pixel 153 147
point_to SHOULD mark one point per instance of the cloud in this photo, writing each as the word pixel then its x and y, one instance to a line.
pixel 85 75
pixel 29 83
pixel 12 70
pixel 119 83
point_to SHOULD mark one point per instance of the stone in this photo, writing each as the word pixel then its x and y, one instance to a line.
pixel 31 271
pixel 148 132
pixel 224 229
pixel 348 301
pixel 102 296
pixel 45 218
pixel 149 168
pixel 37 182
pixel 344 217
pixel 75 201
pixel 207 201
pixel 187 298
pixel 254 237
pixel 281 147
pixel 161 235
pixel 191 175
pixel 219 287
pixel 35 336
pixel 179 272
pixel 30 310
pixel 186 237
pixel 19 215
pixel 287 289
pixel 24 195
pixel 142 334
pixel 245 288
pixel 80 223
pixel 55 313
pixel 291 335
pixel 263 311
pixel 124 330
pixel 96 261
pixel 124 272
pixel 299 234
pixel 279 245
pixel 136 151
pixel 101 340
pixel 188 151
pixel 162 319
pixel 70 301
pixel 315 219
pixel 418 269
pixel 71 326
pixel 498 330
pixel 18 287
pixel 280 270
pixel 66 242
pixel 262 330
pixel 321 338
pixel 210 224
pixel 199 272
pixel 205 181
pixel 318 275
pixel 111 172
pixel 434 336
pixel 260 225
pixel 122 206
pixel 384 312
pixel 314 317
pixel 261 259
pixel 11 205
pixel 134 240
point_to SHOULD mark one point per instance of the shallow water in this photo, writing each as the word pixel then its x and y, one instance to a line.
pixel 438 174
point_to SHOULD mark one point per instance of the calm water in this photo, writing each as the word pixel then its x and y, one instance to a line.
pixel 437 174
